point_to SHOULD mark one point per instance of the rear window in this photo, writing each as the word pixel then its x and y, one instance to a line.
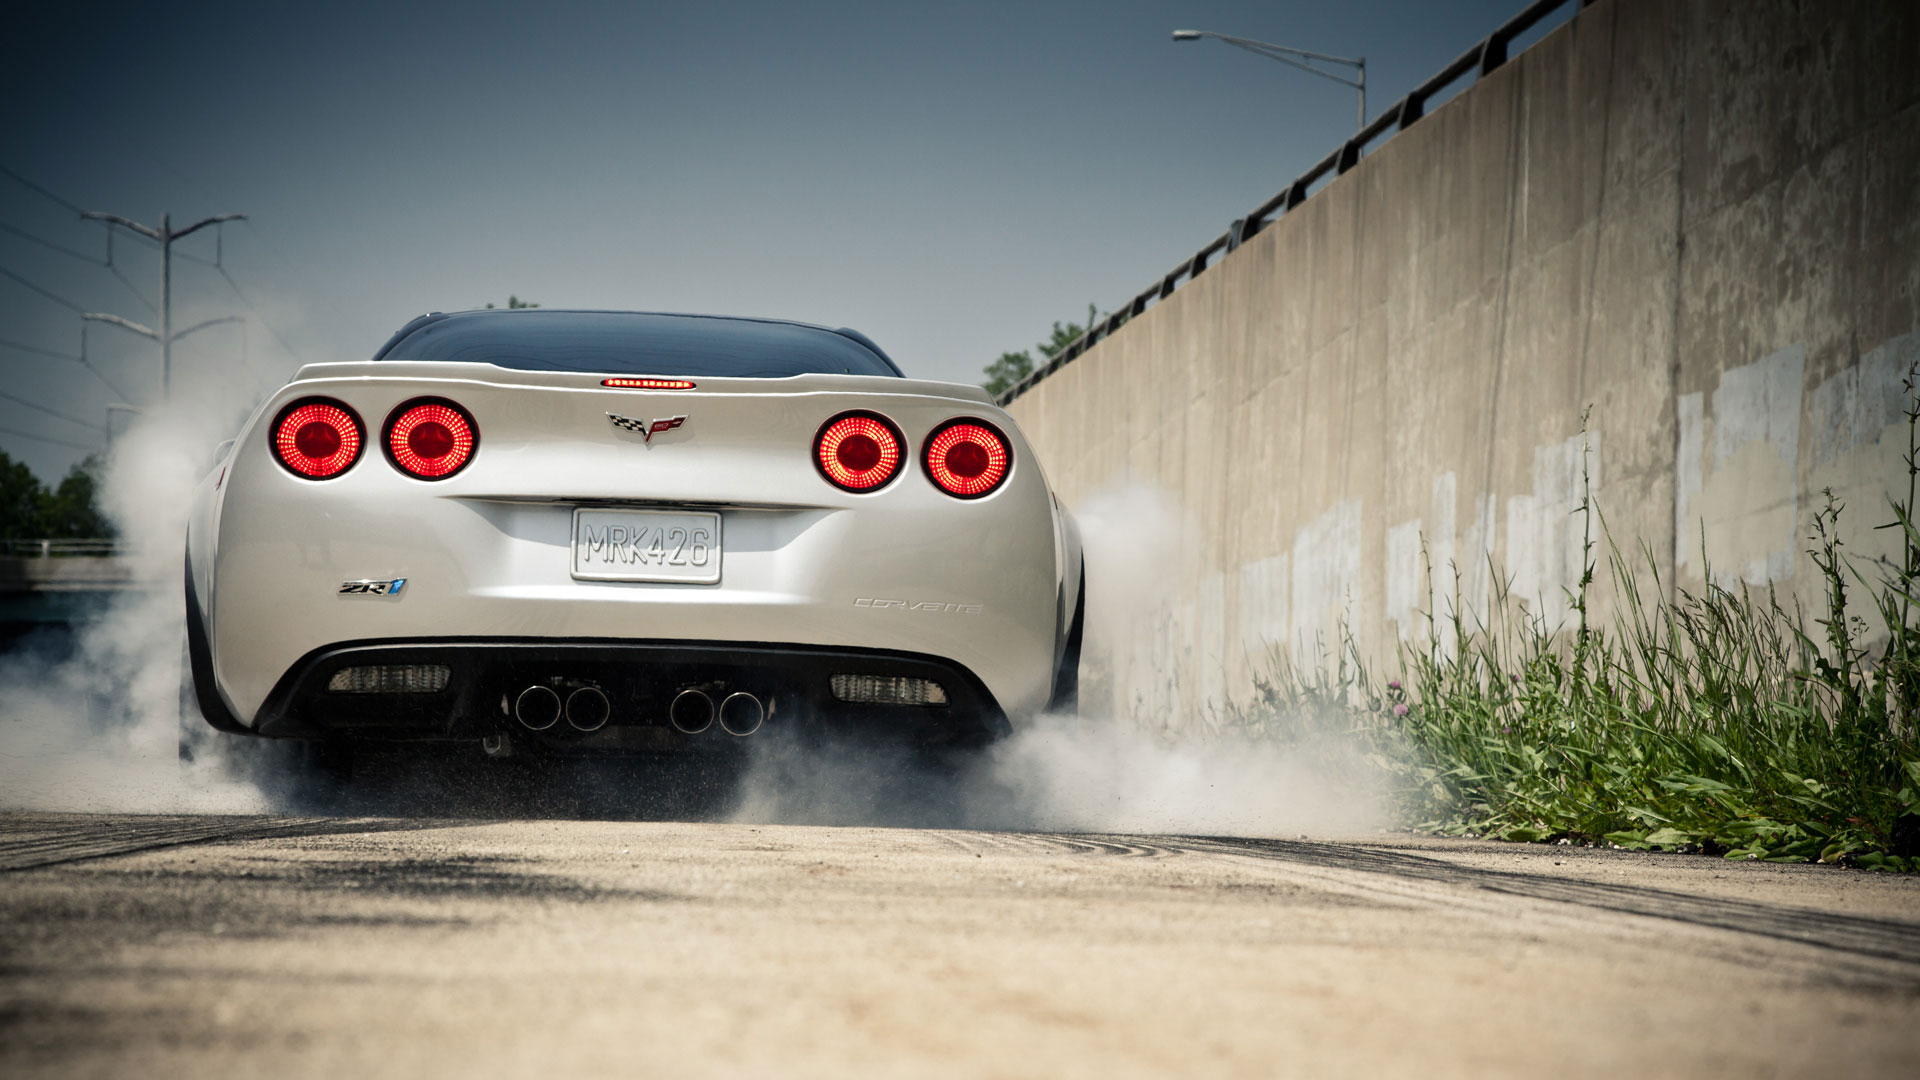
pixel 631 343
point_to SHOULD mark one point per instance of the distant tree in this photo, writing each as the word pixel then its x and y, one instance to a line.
pixel 28 511
pixel 71 511
pixel 514 302
pixel 20 493
pixel 1003 374
pixel 1064 335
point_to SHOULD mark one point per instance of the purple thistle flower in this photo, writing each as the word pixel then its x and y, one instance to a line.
pixel 1400 709
pixel 1393 684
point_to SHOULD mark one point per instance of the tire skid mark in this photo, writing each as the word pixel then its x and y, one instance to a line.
pixel 1882 939
pixel 1129 847
pixel 31 842
pixel 964 841
pixel 1001 843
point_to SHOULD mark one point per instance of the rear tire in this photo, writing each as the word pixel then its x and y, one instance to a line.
pixel 1066 676
pixel 192 730
pixel 199 667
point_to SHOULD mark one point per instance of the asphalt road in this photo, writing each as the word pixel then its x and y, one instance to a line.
pixel 146 945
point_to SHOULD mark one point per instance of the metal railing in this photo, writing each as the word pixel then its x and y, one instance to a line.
pixel 1401 115
pixel 60 549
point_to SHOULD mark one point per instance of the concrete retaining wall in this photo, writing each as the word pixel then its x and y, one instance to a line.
pixel 1701 220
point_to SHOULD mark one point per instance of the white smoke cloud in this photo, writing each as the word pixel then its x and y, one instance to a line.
pixel 100 727
pixel 1094 775
pixel 1147 772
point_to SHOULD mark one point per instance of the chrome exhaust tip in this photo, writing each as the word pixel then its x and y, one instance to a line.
pixel 741 714
pixel 537 708
pixel 588 709
pixel 691 712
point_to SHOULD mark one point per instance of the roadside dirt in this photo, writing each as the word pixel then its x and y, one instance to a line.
pixel 328 947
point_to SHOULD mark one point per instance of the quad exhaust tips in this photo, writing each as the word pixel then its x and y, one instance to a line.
pixel 587 708
pixel 691 712
pixel 539 708
pixel 741 714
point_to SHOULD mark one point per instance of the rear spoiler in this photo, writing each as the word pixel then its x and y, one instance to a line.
pixel 490 374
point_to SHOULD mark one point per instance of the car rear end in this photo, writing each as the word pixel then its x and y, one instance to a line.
pixel 642 563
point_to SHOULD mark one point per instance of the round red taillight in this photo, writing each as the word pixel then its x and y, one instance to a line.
pixel 968 458
pixel 317 438
pixel 431 438
pixel 858 451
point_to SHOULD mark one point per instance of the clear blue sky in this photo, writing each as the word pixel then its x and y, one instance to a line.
pixel 950 179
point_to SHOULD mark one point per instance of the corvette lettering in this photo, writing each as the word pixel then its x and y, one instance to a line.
pixel 920 605
pixel 390 588
pixel 646 429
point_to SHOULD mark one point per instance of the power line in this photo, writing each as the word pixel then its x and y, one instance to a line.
pixel 139 235
pixel 265 240
pixel 51 412
pixel 84 257
pixel 235 286
pixel 288 265
pixel 81 360
pixel 97 373
pixel 166 234
pixel 162 156
pixel 37 349
pixel 62 301
pixel 161 238
pixel 43 191
pixel 122 278
pixel 45 243
pixel 151 244
pixel 46 439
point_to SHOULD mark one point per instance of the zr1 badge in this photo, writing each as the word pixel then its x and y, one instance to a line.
pixel 390 589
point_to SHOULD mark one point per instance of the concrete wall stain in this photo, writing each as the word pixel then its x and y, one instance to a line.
pixel 1371 409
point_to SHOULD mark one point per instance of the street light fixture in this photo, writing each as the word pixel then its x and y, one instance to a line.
pixel 1299 58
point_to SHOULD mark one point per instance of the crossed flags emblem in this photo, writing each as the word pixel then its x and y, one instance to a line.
pixel 646 429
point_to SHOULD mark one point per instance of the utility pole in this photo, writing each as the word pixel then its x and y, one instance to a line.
pixel 165 235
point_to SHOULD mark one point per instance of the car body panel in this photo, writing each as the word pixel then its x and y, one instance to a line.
pixel 982 583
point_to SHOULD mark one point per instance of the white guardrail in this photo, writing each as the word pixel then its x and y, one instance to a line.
pixel 58 549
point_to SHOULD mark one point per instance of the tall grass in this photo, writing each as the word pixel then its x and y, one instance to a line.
pixel 1718 721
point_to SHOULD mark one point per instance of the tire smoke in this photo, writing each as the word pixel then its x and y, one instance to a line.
pixel 1191 768
pixel 95 722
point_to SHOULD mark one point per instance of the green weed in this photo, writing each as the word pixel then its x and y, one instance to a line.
pixel 1721 722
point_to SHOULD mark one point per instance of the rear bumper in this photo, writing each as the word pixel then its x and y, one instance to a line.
pixel 640 679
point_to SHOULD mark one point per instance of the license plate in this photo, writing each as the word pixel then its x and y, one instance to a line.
pixel 646 545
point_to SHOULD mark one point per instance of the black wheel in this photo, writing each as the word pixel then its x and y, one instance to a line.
pixel 191 729
pixel 1066 676
pixel 198 672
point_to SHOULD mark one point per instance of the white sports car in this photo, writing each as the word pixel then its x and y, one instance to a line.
pixel 616 530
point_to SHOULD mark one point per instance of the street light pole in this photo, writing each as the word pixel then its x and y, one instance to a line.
pixel 165 235
pixel 1299 58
